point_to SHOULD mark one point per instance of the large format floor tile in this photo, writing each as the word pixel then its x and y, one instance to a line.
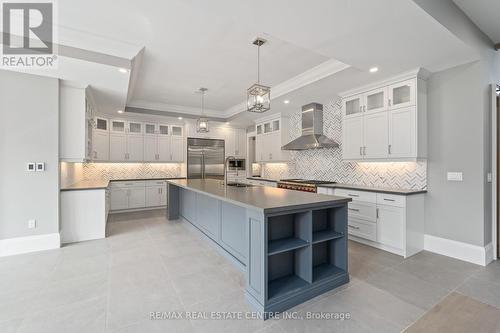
pixel 150 265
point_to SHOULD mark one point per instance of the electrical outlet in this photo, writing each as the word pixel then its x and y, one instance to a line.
pixel 489 177
pixel 455 176
pixel 31 224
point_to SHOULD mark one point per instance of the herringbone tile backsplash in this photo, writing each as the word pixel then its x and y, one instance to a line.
pixel 108 171
pixel 327 164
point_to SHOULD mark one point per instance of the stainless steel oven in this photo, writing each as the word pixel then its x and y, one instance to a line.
pixel 236 164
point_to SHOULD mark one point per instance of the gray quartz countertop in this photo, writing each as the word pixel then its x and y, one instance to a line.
pixel 374 189
pixel 263 179
pixel 263 198
pixel 102 184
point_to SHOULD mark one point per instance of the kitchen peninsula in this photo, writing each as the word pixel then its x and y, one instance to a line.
pixel 293 244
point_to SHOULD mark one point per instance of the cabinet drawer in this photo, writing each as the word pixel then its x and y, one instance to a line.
pixel 365 211
pixel 128 184
pixel 391 200
pixel 357 195
pixel 156 183
pixel 362 229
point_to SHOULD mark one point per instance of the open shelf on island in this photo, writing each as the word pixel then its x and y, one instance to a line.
pixel 288 232
pixel 285 285
pixel 285 244
pixel 324 235
pixel 328 259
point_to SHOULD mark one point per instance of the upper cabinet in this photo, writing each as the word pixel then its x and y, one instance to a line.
pixel 271 135
pixel 386 121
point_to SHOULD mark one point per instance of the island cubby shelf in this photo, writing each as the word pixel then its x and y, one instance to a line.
pixel 305 249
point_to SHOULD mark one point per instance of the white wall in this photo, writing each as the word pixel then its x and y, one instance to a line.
pixel 29 113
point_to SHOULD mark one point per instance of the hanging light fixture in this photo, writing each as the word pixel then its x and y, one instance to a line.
pixel 258 95
pixel 202 122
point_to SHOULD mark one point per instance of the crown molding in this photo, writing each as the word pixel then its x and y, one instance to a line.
pixel 312 75
pixel 177 109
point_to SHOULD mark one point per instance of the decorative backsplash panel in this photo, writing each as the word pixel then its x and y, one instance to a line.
pixel 327 164
pixel 130 170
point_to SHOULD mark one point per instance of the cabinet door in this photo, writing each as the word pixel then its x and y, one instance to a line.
pixel 177 149
pixel 241 142
pixel 119 198
pixel 150 129
pixel 118 147
pixel 375 100
pixel 375 135
pixel 229 142
pixel 100 144
pixel 352 142
pixel 258 148
pixel 390 226
pixel 402 133
pixel 151 148
pixel 402 94
pixel 117 126
pixel 137 197
pixel 101 124
pixel 163 195
pixel 153 196
pixel 274 144
pixel 234 230
pixel 164 152
pixel 353 106
pixel 135 148
pixel 208 215
pixel 134 127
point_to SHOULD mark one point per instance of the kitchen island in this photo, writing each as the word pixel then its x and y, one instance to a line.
pixel 293 244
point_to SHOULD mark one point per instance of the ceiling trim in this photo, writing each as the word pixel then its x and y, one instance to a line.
pixel 129 109
pixel 134 73
pixel 312 75
pixel 186 110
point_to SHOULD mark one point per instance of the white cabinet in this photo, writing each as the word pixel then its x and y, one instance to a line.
pixel 135 148
pixel 235 142
pixel 164 148
pixel 117 147
pixel 177 149
pixel 100 146
pixel 151 148
pixel 274 134
pixel 402 94
pixel 393 118
pixel 375 135
pixel 156 195
pixel 119 198
pixel 137 197
pixel 352 133
pixel 391 222
pixel 402 132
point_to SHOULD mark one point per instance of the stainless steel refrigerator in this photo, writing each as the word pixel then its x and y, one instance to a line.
pixel 205 158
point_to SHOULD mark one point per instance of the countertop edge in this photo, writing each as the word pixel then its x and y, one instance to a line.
pixel 374 189
pixel 103 187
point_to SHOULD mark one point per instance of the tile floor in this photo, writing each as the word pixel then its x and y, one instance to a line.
pixel 150 264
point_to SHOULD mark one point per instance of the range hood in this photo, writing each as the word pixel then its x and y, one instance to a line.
pixel 312 130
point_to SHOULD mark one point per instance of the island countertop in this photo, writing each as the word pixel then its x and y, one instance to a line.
pixel 258 197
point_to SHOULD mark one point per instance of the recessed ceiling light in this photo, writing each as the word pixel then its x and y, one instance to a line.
pixel 123 70
pixel 286 101
pixel 373 69
pixel 120 111
pixel 180 118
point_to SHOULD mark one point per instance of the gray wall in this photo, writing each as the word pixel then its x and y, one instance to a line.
pixel 29 113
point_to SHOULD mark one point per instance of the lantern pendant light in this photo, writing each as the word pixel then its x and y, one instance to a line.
pixel 202 122
pixel 258 95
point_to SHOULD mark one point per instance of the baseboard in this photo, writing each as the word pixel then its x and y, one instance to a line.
pixel 18 245
pixel 480 255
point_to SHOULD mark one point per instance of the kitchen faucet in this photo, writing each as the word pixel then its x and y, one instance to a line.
pixel 229 158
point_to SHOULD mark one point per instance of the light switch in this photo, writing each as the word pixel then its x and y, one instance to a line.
pixel 489 177
pixel 31 224
pixel 455 176
pixel 40 166
pixel 31 166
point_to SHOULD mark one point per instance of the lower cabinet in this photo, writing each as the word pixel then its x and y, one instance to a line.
pixel 224 223
pixel 394 223
pixel 138 194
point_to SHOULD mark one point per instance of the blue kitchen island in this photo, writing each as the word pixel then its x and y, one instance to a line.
pixel 293 244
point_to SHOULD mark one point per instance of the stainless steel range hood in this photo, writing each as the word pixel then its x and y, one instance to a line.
pixel 312 130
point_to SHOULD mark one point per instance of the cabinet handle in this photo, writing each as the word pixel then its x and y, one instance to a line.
pixel 389 149
pixel 364 108
pixel 354 209
pixel 389 102
pixel 392 200
pixel 353 195
pixel 353 227
pixel 361 151
pixel 364 150
pixel 377 213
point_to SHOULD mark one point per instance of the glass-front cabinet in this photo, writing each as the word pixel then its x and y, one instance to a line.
pixel 176 130
pixel 353 106
pixel 376 100
pixel 402 94
pixel 134 127
pixel 118 126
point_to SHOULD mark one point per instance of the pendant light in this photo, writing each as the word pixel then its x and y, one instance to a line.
pixel 258 95
pixel 202 122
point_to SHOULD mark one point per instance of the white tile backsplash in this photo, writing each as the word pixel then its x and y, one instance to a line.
pixel 327 164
